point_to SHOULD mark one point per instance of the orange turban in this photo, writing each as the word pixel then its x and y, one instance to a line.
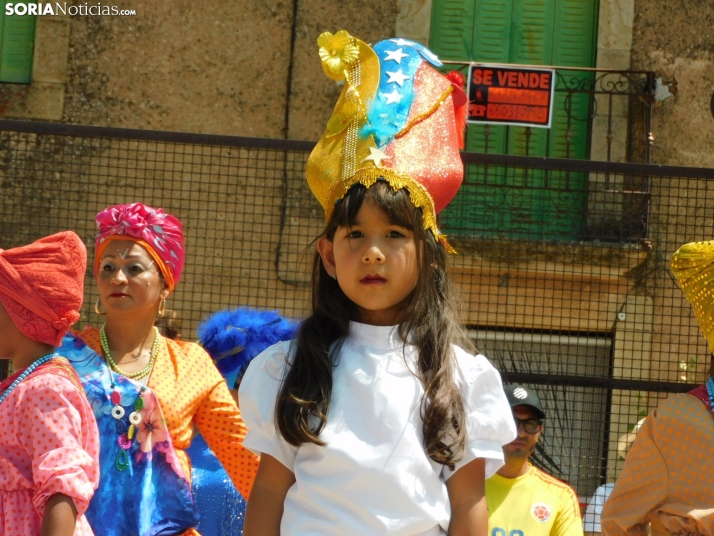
pixel 42 284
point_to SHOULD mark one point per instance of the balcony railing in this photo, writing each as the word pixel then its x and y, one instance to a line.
pixel 598 114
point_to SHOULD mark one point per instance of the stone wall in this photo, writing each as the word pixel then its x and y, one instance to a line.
pixel 251 69
pixel 674 39
pixel 216 67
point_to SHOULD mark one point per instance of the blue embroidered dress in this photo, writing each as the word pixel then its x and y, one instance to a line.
pixel 143 489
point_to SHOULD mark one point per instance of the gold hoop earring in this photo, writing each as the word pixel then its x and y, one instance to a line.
pixel 162 307
pixel 97 309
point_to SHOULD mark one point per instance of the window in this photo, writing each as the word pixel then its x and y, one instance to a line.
pixel 574 440
pixel 17 44
pixel 535 32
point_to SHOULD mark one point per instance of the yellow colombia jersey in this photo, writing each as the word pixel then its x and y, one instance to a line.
pixel 535 504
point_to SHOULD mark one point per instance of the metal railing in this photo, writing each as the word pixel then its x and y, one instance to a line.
pixel 562 264
pixel 599 114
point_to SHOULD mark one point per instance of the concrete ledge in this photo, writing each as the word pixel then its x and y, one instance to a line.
pixel 559 287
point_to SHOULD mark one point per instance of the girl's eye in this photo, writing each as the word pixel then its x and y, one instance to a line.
pixel 136 268
pixel 395 234
pixel 354 234
pixel 107 267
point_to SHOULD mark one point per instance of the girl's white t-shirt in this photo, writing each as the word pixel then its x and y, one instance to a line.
pixel 373 475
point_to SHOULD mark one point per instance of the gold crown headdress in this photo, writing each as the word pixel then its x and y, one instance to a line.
pixel 397 119
pixel 693 266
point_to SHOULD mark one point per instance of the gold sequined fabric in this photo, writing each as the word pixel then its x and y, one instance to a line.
pixel 693 266
pixel 418 195
pixel 326 163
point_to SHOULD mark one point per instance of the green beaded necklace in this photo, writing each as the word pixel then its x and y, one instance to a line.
pixel 139 375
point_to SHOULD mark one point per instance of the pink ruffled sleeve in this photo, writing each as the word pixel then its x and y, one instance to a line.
pixel 56 426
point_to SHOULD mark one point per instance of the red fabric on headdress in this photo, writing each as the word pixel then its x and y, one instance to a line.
pixel 159 233
pixel 460 104
pixel 439 168
pixel 42 285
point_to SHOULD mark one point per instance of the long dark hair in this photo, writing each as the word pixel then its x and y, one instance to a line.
pixel 428 319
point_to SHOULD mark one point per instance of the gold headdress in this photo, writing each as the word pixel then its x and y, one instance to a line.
pixel 693 266
pixel 395 120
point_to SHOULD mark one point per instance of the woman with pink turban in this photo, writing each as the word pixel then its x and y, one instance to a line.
pixel 49 444
pixel 148 391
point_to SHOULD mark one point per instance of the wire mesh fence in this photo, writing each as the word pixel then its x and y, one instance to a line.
pixel 562 266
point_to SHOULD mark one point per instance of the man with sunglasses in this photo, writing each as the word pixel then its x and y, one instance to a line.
pixel 522 500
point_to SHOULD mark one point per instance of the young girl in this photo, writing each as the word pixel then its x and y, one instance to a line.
pixel 49 444
pixel 373 421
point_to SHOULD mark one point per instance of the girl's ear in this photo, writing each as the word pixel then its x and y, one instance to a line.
pixel 324 248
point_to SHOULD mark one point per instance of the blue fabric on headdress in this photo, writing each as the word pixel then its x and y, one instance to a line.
pixel 234 337
pixel 388 113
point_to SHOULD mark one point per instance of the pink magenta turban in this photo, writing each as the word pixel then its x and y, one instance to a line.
pixel 42 284
pixel 159 233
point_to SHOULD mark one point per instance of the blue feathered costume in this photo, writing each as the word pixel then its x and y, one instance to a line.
pixel 232 338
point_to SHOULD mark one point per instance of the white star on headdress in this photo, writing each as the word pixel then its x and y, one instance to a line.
pixel 396 55
pixel 399 77
pixel 402 42
pixel 393 97
pixel 376 156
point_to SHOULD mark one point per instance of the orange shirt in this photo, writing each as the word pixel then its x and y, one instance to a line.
pixel 668 478
pixel 192 391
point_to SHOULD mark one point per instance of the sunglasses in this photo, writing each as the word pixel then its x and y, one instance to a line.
pixel 531 426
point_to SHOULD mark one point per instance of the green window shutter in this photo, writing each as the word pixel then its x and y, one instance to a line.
pixel 531 38
pixel 536 32
pixel 521 203
pixel 17 45
pixel 492 31
pixel 531 44
pixel 491 44
pixel 452 29
pixel 575 34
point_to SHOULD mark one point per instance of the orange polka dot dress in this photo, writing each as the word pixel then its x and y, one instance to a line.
pixel 668 477
pixel 48 444
pixel 192 391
